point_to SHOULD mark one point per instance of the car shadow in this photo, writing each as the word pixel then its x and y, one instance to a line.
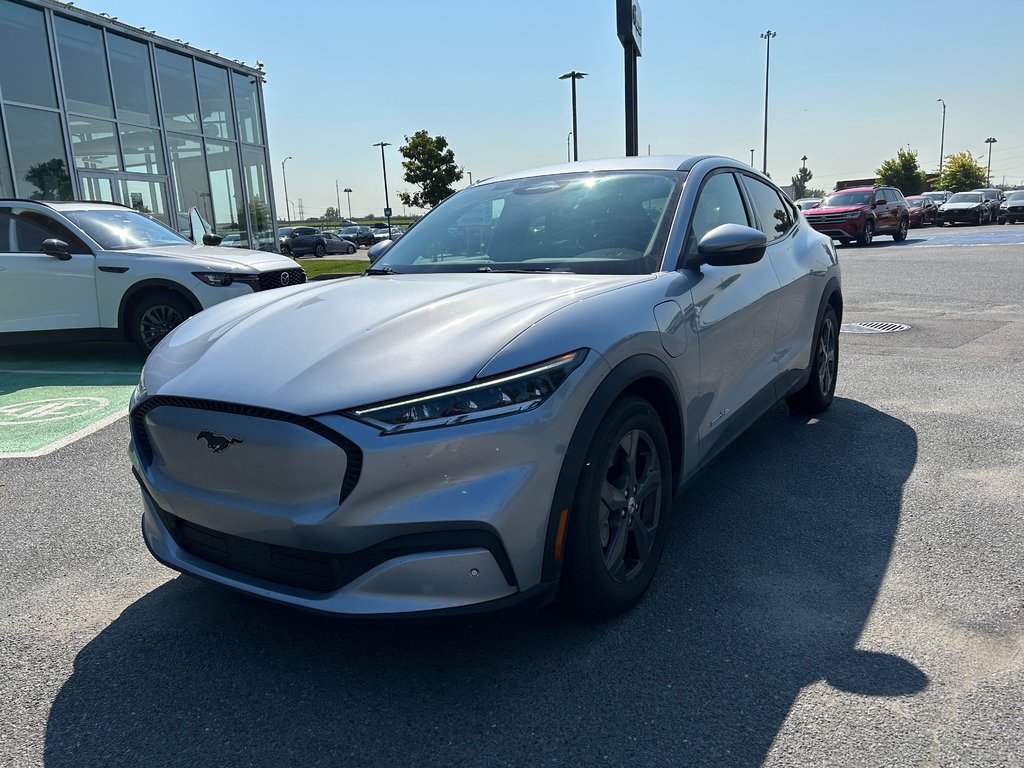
pixel 772 567
pixel 878 243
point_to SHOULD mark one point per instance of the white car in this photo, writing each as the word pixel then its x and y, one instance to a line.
pixel 90 270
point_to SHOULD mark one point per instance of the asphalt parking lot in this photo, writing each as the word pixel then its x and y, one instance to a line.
pixel 846 590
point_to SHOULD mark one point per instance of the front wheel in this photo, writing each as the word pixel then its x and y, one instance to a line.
pixel 320 250
pixel 867 234
pixel 901 233
pixel 817 394
pixel 155 316
pixel 620 513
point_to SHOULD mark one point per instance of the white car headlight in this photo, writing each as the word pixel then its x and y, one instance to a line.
pixel 502 395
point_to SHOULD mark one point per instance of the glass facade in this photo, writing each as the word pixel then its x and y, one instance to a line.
pixel 92 112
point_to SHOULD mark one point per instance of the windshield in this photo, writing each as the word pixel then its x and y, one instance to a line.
pixel 917 201
pixel 965 197
pixel 1018 195
pixel 847 198
pixel 119 229
pixel 593 223
pixel 935 195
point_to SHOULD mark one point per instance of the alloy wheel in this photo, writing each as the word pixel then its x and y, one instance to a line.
pixel 156 322
pixel 826 356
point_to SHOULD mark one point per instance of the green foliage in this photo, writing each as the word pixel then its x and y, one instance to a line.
pixel 430 165
pixel 51 179
pixel 800 183
pixel 962 172
pixel 815 192
pixel 331 213
pixel 902 172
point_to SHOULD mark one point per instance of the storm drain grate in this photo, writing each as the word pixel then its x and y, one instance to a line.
pixel 873 327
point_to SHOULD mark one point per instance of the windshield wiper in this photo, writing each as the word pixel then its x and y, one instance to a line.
pixel 528 271
pixel 381 271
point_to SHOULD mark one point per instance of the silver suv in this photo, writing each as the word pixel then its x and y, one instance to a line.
pixel 503 408
pixel 84 270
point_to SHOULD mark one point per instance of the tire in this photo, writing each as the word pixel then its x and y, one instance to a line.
pixel 350 249
pixel 980 221
pixel 156 315
pixel 901 232
pixel 620 513
pixel 817 394
pixel 1000 221
pixel 319 250
pixel 286 251
pixel 844 241
pixel 867 234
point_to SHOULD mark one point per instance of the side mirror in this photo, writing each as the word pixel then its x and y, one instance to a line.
pixel 878 201
pixel 56 248
pixel 379 249
pixel 731 245
pixel 211 239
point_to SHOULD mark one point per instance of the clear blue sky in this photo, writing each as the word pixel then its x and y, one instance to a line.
pixel 850 83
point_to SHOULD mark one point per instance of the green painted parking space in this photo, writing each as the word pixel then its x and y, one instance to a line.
pixel 52 396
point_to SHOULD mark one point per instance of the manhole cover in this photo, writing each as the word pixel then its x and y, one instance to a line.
pixel 873 327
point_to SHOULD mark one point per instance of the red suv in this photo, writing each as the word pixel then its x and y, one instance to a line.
pixel 861 213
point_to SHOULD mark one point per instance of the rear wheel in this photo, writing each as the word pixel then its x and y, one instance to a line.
pixel 817 394
pixel 350 249
pixel 620 513
pixel 868 234
pixel 156 315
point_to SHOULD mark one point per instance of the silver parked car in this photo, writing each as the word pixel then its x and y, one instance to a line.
pixel 503 408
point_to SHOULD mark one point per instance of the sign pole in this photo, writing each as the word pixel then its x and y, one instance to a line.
pixel 629 29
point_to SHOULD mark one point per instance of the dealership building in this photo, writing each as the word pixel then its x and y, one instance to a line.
pixel 93 109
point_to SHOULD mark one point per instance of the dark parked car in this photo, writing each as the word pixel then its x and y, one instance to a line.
pixel 1012 208
pixel 994 198
pixel 338 244
pixel 923 210
pixel 303 240
pixel 359 235
pixel 861 213
pixel 971 207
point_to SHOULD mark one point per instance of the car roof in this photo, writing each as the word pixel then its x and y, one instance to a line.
pixel 641 163
pixel 67 205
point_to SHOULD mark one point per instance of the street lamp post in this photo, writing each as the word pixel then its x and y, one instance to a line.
pixel 804 161
pixel 988 174
pixel 348 194
pixel 338 195
pixel 284 178
pixel 574 76
pixel 942 138
pixel 767 36
pixel 387 202
pixel 568 150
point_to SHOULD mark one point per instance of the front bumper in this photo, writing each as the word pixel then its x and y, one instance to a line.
pixel 966 215
pixel 326 514
pixel 843 229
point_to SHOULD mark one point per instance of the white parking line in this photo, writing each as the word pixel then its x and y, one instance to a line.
pixel 68 439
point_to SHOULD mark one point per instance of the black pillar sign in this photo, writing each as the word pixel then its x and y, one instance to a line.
pixel 630 31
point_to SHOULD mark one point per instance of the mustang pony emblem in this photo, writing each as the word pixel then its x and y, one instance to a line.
pixel 217 443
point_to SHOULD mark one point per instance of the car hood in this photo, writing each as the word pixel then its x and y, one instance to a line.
pixel 959 206
pixel 339 344
pixel 218 258
pixel 833 209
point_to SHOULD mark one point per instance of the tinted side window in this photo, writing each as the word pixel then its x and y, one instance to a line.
pixel 773 215
pixel 719 203
pixel 892 196
pixel 24 232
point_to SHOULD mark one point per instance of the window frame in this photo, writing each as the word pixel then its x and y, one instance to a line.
pixel 782 200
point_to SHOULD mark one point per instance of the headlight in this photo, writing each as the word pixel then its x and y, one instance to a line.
pixel 138 395
pixel 216 279
pixel 508 393
pixel 854 214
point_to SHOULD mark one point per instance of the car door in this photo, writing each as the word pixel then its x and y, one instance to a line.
pixel 799 269
pixel 38 291
pixel 736 309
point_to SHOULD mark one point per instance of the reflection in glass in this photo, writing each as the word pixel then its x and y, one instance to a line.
pixel 254 170
pixel 25 71
pixel 248 106
pixel 143 150
pixel 96 188
pixel 6 182
pixel 215 101
pixel 83 66
pixel 177 91
pixel 133 80
pixel 225 183
pixel 145 197
pixel 40 164
pixel 191 184
pixel 94 144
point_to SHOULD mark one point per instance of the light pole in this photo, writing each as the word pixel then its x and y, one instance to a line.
pixel 284 178
pixel 942 138
pixel 338 195
pixel 751 158
pixel 568 150
pixel 988 174
pixel 767 36
pixel 387 203
pixel 348 194
pixel 574 76
pixel 804 161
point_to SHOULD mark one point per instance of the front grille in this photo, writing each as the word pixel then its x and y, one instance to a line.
pixel 302 568
pixel 1016 209
pixel 827 218
pixel 140 435
pixel 269 280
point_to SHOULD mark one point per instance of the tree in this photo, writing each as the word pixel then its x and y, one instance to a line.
pixel 430 165
pixel 331 213
pixel 962 172
pixel 800 182
pixel 815 192
pixel 51 180
pixel 902 172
